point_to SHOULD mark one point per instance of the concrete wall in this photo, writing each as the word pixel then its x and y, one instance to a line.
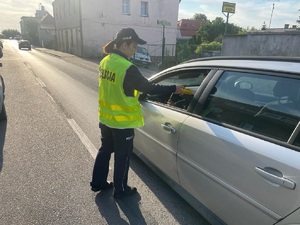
pixel 285 43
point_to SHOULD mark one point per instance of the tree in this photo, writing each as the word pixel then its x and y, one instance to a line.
pixel 211 30
pixel 211 35
pixel 242 32
pixel 214 30
pixel 199 16
pixel 10 33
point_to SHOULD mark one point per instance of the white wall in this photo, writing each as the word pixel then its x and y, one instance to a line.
pixel 66 15
pixel 67 25
pixel 102 19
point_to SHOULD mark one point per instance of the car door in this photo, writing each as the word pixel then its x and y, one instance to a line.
pixel 230 157
pixel 157 140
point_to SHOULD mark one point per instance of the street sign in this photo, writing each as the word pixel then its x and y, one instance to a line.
pixel 228 7
pixel 163 22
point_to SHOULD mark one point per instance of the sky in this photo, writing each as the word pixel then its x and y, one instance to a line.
pixel 11 11
pixel 247 14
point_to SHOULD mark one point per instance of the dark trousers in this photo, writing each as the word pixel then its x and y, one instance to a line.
pixel 119 141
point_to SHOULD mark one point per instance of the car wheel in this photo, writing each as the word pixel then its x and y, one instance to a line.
pixel 3 111
pixel 3 115
pixel 3 85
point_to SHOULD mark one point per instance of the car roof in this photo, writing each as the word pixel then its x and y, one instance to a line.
pixel 272 63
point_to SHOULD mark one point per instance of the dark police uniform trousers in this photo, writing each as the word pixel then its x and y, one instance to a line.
pixel 119 141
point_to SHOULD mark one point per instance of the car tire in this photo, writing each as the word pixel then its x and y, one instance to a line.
pixel 3 111
pixel 3 115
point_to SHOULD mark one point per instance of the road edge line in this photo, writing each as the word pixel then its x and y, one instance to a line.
pixel 84 139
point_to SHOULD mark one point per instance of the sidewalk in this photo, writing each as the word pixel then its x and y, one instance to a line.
pixel 93 62
pixel 54 52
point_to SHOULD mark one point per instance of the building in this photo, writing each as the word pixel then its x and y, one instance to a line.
pixel 38 29
pixel 25 24
pixel 188 28
pixel 46 31
pixel 84 26
pixel 40 13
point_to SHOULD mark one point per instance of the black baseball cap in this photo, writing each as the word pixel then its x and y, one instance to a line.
pixel 126 34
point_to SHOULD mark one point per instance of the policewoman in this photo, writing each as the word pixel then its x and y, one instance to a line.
pixel 119 110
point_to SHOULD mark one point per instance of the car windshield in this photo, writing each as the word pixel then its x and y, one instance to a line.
pixel 142 50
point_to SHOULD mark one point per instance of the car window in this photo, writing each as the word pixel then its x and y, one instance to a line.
pixel 142 50
pixel 190 79
pixel 263 104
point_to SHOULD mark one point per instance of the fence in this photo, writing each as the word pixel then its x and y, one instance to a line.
pixel 175 54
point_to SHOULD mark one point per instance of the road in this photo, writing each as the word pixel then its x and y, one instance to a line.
pixel 48 145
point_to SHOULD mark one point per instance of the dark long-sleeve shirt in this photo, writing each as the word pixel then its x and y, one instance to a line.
pixel 134 80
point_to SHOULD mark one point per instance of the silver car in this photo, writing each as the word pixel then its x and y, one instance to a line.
pixel 230 146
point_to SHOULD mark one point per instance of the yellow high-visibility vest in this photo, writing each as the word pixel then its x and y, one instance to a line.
pixel 115 109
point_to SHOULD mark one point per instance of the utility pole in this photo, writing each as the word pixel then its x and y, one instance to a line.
pixel 271 15
pixel 272 10
pixel 163 23
pixel 298 21
pixel 163 48
pixel 227 18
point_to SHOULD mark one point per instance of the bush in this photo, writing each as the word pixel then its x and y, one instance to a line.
pixel 209 47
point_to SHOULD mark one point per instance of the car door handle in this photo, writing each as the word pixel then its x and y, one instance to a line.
pixel 168 127
pixel 275 176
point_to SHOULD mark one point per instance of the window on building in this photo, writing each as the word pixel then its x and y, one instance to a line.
pixel 144 8
pixel 126 6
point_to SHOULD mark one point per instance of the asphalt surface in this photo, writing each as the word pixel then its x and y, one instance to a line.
pixel 45 169
pixel 42 178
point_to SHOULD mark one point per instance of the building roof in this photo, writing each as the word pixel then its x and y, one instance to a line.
pixel 188 28
pixel 47 20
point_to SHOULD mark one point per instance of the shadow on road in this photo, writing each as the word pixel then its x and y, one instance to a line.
pixel 3 125
pixel 108 208
pixel 166 195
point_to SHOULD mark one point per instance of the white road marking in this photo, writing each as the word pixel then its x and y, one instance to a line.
pixel 84 139
pixel 40 82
